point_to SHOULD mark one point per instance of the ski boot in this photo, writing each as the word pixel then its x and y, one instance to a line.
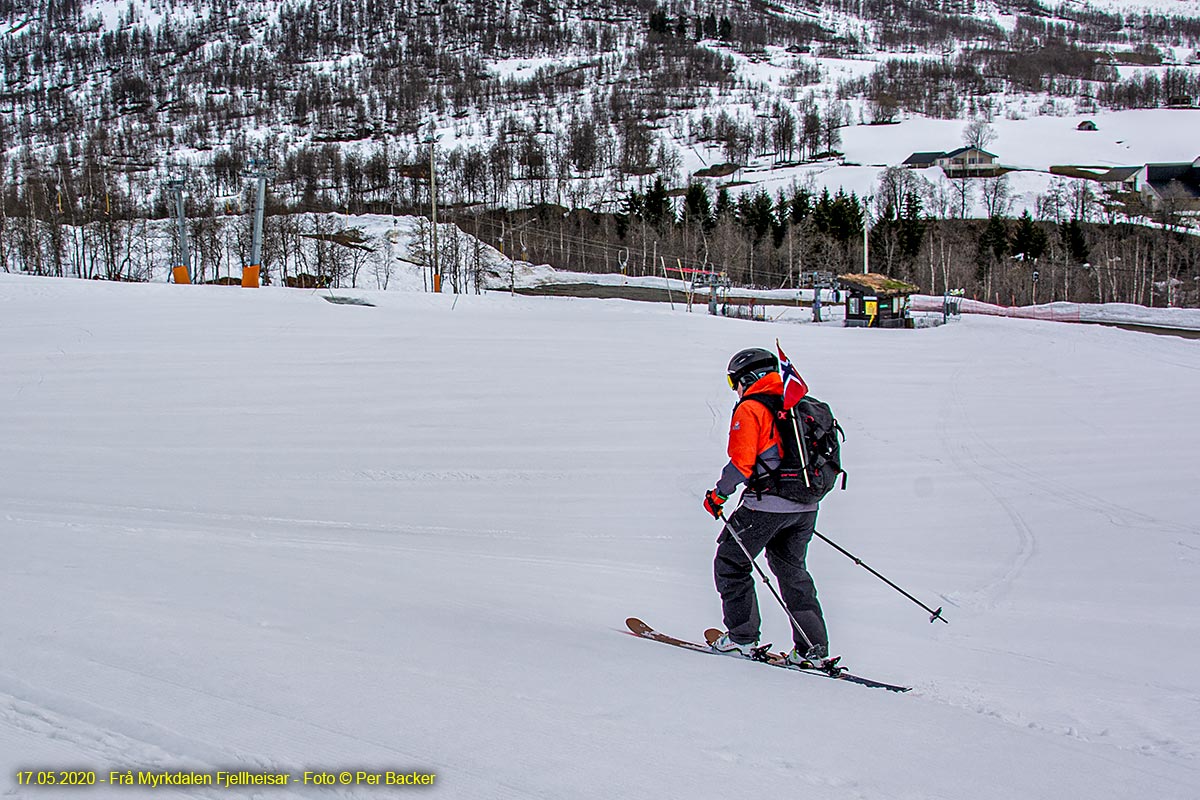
pixel 754 650
pixel 815 658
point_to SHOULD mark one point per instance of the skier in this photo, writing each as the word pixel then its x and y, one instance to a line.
pixel 763 520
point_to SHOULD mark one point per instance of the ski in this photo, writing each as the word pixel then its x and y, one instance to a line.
pixel 644 631
pixel 832 670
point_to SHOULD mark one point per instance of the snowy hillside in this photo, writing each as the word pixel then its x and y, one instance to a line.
pixel 259 531
pixel 560 101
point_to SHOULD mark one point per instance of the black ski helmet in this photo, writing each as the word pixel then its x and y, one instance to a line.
pixel 754 363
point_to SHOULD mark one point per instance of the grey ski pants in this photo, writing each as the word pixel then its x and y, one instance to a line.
pixel 785 537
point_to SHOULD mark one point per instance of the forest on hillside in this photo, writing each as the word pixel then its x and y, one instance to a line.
pixel 1074 250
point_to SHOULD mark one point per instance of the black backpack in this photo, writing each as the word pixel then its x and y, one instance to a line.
pixel 811 422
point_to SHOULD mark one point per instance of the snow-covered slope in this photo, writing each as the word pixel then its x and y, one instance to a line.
pixel 256 530
pixel 1124 138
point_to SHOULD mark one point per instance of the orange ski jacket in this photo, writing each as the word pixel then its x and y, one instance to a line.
pixel 755 448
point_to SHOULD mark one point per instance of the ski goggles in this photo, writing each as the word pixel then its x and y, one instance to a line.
pixel 729 379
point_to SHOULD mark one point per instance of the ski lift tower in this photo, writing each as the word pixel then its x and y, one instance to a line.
pixel 436 266
pixel 716 282
pixel 820 279
pixel 181 271
pixel 250 272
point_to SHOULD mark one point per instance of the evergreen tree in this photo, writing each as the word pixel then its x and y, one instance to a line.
pixel 822 213
pixel 993 246
pixel 1073 239
pixel 659 23
pixel 846 218
pixel 657 206
pixel 800 205
pixel 634 204
pixel 994 240
pixel 724 203
pixel 1028 240
pixel 780 220
pixel 911 226
pixel 696 206
pixel 755 212
pixel 633 207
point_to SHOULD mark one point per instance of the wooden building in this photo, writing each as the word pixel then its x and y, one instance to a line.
pixel 968 162
pixel 1177 185
pixel 922 160
pixel 965 162
pixel 876 301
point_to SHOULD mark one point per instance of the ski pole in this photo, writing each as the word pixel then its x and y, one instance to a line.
pixel 733 532
pixel 936 615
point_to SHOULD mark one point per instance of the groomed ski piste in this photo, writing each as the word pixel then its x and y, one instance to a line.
pixel 254 530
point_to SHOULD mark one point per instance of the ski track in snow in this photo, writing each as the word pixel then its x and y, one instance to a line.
pixel 956 429
pixel 276 533
pixel 114 738
pixel 1009 482
pixel 987 462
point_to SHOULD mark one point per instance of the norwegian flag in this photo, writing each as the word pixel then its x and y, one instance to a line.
pixel 794 387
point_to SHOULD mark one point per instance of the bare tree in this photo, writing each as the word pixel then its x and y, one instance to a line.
pixel 206 236
pixel 383 262
pixel 360 253
pixel 4 246
pixel 894 184
pixel 962 197
pixel 1082 200
pixel 419 249
pixel 3 233
pixel 1052 205
pixel 1171 205
pixel 997 195
pixel 811 135
pixel 978 133
pixel 116 242
pixel 783 132
pixel 884 108
pixel 142 268
pixel 831 124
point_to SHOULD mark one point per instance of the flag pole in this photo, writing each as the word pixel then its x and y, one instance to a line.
pixel 803 457
pixel 796 428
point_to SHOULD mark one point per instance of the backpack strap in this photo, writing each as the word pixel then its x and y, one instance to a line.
pixel 774 405
pixel 773 402
pixel 770 477
pixel 837 431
